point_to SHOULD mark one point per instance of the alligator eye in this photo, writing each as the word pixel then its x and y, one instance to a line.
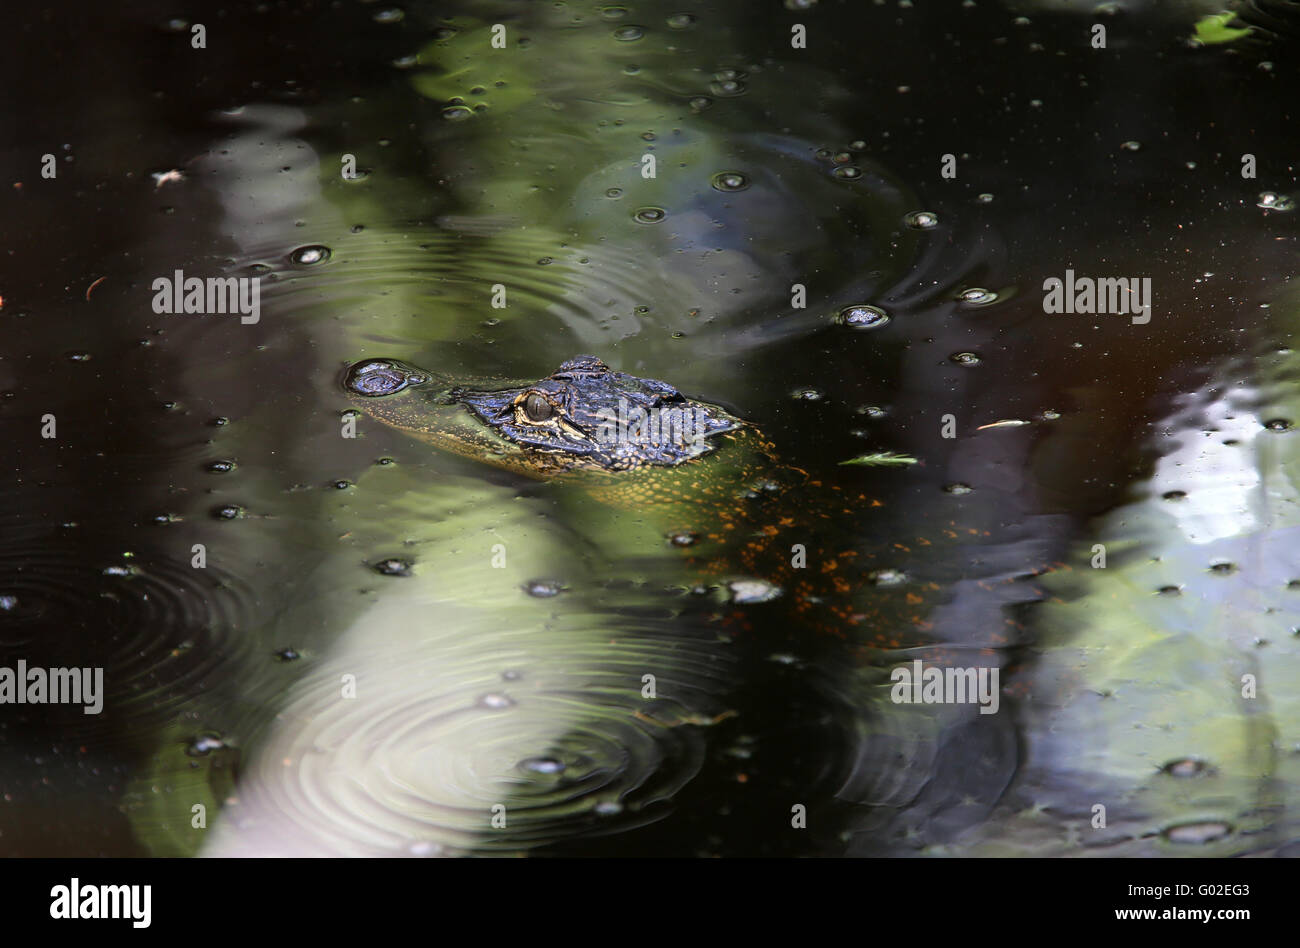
pixel 537 408
pixel 378 377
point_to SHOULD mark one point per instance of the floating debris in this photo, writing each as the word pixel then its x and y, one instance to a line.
pixel 883 459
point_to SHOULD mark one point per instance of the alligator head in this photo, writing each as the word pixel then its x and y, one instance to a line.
pixel 584 416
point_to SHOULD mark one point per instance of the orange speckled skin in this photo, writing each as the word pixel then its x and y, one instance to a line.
pixel 747 512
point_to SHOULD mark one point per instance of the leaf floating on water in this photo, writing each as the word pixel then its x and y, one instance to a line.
pixel 883 459
pixel 1005 423
pixel 1215 29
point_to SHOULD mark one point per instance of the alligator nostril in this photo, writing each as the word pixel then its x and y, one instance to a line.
pixel 379 377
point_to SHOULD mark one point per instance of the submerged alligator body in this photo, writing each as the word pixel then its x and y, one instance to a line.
pixel 711 483
pixel 702 476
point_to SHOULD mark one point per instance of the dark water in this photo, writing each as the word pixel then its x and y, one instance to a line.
pixel 311 703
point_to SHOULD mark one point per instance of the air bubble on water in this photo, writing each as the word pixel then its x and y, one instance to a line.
pixel 1186 767
pixel 613 12
pixel 862 316
pixel 1223 567
pixel 649 215
pixel 628 34
pixel 228 512
pixel 1197 833
pixel 392 567
pixel 286 655
pixel 542 765
pixel 496 702
pixel 800 4
pixel 681 21
pixel 1131 146
pixel 922 220
pixel 965 358
pixel 1049 414
pixel 1278 424
pixel 310 255
pixel 977 296
pixel 1174 495
pixel 341 484
pixel 221 466
pixel 985 198
pixel 727 87
pixel 729 181
pixel 543 588
pixel 608 808
pixel 1272 201
pixel 457 113
pixel 1169 591
pixel 807 394
pixel 750 591
pixel 701 102
pixel 887 577
pixel 847 173
pixel 204 744
pixel 683 538
pixel 958 488
pixel 406 62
